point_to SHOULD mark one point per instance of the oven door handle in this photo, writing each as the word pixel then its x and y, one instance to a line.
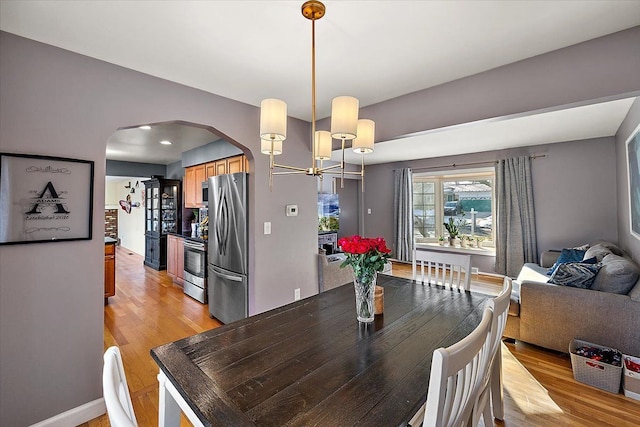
pixel 227 276
pixel 194 245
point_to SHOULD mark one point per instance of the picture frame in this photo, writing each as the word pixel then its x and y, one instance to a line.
pixel 45 199
pixel 633 181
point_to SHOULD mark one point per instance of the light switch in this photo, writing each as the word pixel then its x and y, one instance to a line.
pixel 369 211
pixel 267 227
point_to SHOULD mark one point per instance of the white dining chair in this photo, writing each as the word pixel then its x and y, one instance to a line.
pixel 116 391
pixel 456 375
pixel 448 269
pixel 490 395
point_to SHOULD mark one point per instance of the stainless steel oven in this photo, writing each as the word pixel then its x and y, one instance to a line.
pixel 195 270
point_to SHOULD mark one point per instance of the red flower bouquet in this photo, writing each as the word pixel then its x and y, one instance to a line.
pixel 366 256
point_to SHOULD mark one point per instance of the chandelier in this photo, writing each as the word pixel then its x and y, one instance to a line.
pixel 345 125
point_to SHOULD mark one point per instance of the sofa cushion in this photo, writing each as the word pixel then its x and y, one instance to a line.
pixel 602 249
pixel 618 275
pixel 575 274
pixel 634 293
pixel 567 255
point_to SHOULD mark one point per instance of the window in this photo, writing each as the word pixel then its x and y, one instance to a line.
pixel 466 197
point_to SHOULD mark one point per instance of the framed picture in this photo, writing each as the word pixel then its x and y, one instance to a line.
pixel 633 158
pixel 45 199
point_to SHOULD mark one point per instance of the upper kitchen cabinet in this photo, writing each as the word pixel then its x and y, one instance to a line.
pixel 162 216
pixel 193 178
pixel 195 175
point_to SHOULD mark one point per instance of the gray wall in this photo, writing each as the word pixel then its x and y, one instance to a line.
pixel 119 168
pixel 573 191
pixel 627 240
pixel 51 295
pixel 51 325
pixel 212 151
pixel 175 170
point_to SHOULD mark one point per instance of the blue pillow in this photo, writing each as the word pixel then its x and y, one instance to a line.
pixel 567 255
pixel 575 274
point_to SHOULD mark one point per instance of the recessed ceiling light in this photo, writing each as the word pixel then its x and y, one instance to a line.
pixel 145 127
pixel 165 142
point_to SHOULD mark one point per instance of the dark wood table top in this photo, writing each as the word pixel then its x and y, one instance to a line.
pixel 312 363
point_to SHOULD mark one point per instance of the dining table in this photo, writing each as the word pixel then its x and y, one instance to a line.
pixel 311 363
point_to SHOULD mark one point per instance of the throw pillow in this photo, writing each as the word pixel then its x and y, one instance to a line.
pixel 567 255
pixel 599 251
pixel 575 274
pixel 618 275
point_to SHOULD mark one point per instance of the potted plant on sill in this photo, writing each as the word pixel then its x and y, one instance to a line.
pixel 454 231
pixel 441 240
pixel 479 240
pixel 464 240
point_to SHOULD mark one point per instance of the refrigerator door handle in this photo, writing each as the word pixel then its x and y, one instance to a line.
pixel 227 276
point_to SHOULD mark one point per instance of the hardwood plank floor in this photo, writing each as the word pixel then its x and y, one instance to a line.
pixel 149 310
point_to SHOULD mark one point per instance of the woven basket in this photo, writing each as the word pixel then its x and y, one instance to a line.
pixel 594 372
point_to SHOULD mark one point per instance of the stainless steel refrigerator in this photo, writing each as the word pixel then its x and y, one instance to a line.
pixel 228 247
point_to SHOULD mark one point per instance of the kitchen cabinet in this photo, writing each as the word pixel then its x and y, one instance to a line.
pixel 109 269
pixel 193 178
pixel 175 258
pixel 229 165
pixel 162 216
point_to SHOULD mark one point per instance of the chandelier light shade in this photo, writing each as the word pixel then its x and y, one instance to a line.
pixel 344 117
pixel 273 120
pixel 345 125
pixel 266 146
pixel 323 145
pixel 363 144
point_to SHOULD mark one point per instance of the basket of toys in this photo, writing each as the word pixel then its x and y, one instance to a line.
pixel 596 365
pixel 631 377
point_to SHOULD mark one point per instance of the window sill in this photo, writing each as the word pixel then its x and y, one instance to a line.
pixel 491 252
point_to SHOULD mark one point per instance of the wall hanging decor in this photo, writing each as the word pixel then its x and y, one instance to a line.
pixel 633 174
pixel 45 199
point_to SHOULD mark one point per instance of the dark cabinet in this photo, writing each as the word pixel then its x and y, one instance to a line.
pixel 162 216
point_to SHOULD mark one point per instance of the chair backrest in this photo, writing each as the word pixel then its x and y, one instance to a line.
pixel 116 391
pixel 456 375
pixel 446 267
pixel 500 307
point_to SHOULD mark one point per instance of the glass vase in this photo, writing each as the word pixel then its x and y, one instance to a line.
pixel 365 285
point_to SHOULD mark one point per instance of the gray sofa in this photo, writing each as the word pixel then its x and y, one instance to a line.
pixel 330 275
pixel 607 313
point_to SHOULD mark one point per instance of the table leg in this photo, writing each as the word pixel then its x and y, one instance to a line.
pixel 169 411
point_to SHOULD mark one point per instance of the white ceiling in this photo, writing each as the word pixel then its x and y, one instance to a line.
pixel 143 145
pixel 250 50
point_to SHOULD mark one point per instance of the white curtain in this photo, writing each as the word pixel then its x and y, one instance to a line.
pixel 515 224
pixel 403 213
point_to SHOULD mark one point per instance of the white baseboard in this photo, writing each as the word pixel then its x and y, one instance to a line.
pixel 76 416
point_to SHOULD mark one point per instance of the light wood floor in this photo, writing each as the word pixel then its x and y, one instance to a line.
pixel 148 310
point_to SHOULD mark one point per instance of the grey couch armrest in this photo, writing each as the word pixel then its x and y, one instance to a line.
pixel 548 258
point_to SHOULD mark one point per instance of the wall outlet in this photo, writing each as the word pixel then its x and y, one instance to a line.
pixel 296 294
pixel 267 227
pixel 474 270
pixel 369 211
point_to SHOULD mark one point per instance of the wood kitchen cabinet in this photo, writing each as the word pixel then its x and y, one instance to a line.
pixel 175 258
pixel 229 165
pixel 109 270
pixel 193 178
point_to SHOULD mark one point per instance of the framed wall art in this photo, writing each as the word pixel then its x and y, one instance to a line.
pixel 45 199
pixel 633 173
